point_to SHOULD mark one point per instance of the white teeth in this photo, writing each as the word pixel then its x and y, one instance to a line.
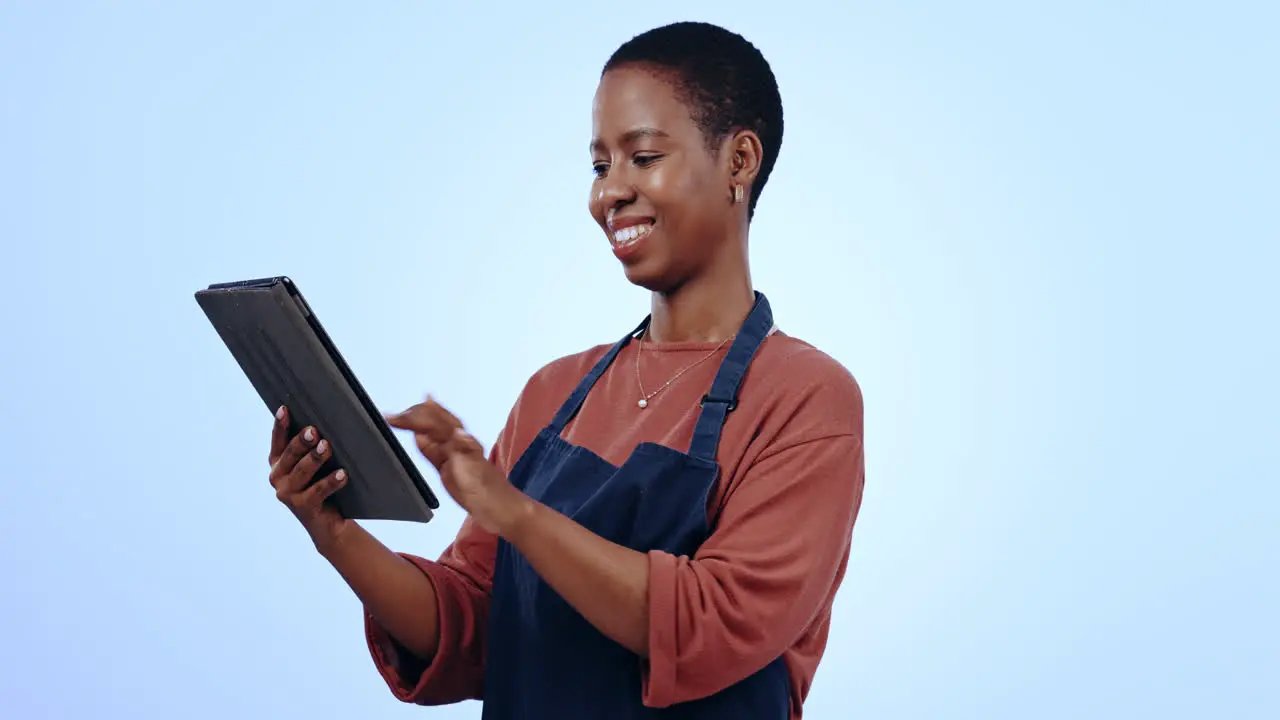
pixel 628 235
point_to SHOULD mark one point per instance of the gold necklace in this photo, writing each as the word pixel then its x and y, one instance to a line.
pixel 645 398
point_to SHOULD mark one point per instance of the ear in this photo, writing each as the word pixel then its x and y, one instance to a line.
pixel 745 153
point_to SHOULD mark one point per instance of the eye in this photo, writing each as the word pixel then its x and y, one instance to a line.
pixel 599 169
pixel 647 159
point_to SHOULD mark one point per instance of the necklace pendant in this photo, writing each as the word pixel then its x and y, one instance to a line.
pixel 643 403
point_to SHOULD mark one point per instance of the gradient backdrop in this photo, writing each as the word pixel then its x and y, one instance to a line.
pixel 1043 237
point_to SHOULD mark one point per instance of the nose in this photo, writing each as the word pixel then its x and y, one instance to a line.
pixel 615 190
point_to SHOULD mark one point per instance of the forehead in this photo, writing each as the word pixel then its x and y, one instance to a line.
pixel 636 97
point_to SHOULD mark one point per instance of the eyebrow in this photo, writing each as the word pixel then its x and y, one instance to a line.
pixel 631 136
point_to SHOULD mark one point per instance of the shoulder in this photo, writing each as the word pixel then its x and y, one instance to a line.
pixel 543 394
pixel 794 395
pixel 804 390
pixel 795 357
pixel 551 384
pixel 796 439
pixel 557 378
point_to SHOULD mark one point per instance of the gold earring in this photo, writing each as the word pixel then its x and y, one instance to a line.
pixel 737 194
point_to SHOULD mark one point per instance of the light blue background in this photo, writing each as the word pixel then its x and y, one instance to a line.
pixel 1044 238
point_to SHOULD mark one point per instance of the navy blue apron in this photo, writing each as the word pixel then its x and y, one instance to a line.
pixel 544 660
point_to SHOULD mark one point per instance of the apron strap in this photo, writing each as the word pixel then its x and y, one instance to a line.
pixel 716 404
pixel 572 405
pixel 723 398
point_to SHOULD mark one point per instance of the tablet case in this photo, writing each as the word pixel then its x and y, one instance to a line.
pixel 284 351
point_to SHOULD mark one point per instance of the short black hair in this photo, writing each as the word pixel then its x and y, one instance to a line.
pixel 724 79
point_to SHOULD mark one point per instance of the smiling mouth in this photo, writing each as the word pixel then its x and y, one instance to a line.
pixel 628 236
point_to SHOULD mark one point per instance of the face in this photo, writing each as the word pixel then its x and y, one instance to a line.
pixel 662 197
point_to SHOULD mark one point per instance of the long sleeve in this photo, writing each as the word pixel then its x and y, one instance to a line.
pixel 767 572
pixel 463 581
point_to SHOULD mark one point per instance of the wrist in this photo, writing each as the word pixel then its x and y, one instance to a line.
pixel 511 513
pixel 331 541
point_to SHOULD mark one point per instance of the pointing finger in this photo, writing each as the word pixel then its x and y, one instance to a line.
pixel 428 418
pixel 443 412
pixel 416 417
pixel 404 419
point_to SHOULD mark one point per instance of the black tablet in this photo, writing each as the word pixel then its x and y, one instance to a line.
pixel 290 360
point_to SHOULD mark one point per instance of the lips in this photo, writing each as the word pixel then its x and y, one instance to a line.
pixel 626 230
pixel 631 234
pixel 626 233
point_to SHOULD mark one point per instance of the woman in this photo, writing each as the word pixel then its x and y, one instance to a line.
pixel 663 522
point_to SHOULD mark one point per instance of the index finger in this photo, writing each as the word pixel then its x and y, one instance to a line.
pixel 449 418
pixel 279 435
pixel 425 416
pixel 421 419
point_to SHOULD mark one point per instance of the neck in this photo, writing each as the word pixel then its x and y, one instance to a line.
pixel 707 308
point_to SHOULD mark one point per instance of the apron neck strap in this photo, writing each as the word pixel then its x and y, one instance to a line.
pixel 571 406
pixel 716 404
pixel 723 397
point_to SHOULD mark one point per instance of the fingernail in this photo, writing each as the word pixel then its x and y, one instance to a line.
pixel 462 434
pixel 280 413
pixel 322 447
pixel 309 435
pixel 341 476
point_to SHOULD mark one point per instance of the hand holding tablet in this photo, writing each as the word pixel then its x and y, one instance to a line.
pixel 295 463
pixel 288 357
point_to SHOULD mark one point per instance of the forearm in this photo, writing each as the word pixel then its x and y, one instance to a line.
pixel 605 582
pixel 398 595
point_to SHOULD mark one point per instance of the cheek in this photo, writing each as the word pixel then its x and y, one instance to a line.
pixel 675 190
pixel 683 196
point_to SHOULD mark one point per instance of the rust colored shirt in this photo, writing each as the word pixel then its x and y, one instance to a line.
pixel 782 517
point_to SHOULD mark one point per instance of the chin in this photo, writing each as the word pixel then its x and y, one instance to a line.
pixel 651 265
pixel 653 277
pixel 648 282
